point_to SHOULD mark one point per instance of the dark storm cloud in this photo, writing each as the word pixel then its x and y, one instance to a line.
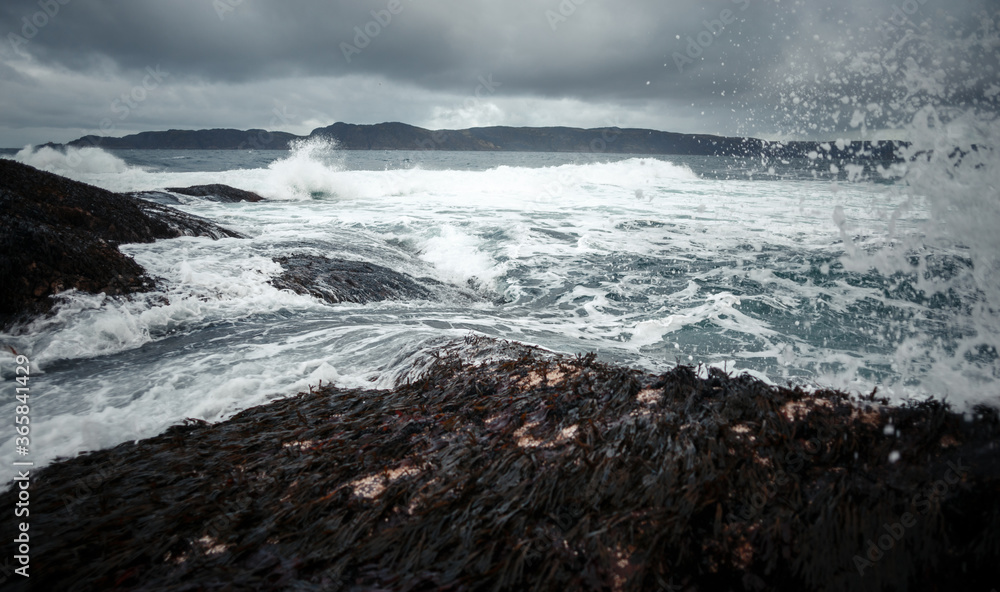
pixel 595 49
pixel 730 57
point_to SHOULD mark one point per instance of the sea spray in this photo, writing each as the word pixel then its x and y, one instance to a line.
pixel 953 259
pixel 75 163
pixel 309 171
pixel 929 242
pixel 952 173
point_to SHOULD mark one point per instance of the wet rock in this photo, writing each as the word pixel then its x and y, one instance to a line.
pixel 160 197
pixel 527 470
pixel 337 280
pixel 181 224
pixel 57 234
pixel 218 192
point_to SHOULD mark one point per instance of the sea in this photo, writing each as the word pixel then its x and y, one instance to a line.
pixel 808 272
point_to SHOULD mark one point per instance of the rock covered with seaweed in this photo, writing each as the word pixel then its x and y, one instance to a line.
pixel 498 466
pixel 57 234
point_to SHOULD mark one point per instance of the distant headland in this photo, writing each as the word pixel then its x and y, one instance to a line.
pixel 401 136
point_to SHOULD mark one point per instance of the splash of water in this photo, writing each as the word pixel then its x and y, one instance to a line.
pixel 75 163
pixel 933 83
pixel 310 171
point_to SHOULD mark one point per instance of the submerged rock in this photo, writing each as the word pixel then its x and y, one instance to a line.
pixel 57 234
pixel 160 197
pixel 181 224
pixel 533 471
pixel 336 280
pixel 218 192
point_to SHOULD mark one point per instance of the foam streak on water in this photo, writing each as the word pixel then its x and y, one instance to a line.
pixel 649 261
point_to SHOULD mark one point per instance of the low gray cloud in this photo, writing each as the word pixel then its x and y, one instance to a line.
pixel 721 66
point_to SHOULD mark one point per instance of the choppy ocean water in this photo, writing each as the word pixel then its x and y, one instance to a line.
pixel 792 271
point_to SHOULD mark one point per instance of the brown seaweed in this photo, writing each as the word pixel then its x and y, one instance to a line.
pixel 532 472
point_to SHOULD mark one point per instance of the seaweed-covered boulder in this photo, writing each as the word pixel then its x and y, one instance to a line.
pixel 533 471
pixel 57 234
pixel 217 192
pixel 337 280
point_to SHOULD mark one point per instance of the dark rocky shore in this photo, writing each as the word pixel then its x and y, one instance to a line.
pixel 57 234
pixel 495 467
pixel 505 468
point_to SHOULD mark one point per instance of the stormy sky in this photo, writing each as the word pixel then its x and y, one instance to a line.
pixel 769 68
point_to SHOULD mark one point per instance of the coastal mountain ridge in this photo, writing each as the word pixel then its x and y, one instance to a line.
pixel 401 136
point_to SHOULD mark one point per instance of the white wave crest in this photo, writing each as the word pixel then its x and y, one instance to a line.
pixel 75 163
pixel 311 170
